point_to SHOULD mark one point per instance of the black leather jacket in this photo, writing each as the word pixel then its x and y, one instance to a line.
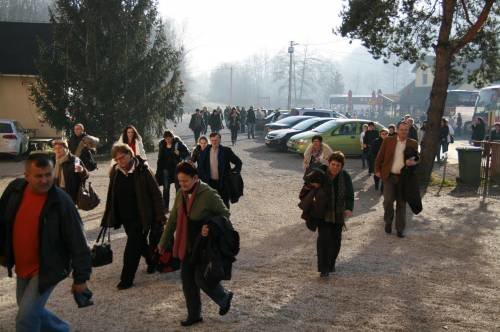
pixel 63 245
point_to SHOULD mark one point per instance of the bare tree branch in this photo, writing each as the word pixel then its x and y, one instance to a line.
pixel 474 29
pixel 467 17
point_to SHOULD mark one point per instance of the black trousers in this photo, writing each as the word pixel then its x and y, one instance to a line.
pixel 217 185
pixel 166 189
pixel 192 282
pixel 371 163
pixel 136 247
pixel 234 135
pixel 328 245
pixel 197 133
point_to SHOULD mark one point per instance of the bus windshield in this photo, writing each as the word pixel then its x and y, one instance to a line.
pixel 488 104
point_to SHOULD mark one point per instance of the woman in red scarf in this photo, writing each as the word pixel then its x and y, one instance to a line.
pixel 194 203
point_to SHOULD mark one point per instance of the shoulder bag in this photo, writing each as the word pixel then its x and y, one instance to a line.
pixel 101 251
pixel 87 199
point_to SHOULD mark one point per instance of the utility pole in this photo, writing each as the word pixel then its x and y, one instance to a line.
pixel 231 87
pixel 290 51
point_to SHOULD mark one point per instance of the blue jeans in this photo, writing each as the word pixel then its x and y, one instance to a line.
pixel 32 315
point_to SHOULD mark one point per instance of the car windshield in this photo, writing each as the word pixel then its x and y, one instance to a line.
pixel 306 124
pixel 290 121
pixel 6 128
pixel 325 126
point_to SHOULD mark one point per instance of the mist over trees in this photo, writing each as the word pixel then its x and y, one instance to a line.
pixel 262 80
pixel 25 10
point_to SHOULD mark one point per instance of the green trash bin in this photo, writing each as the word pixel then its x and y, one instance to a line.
pixel 469 165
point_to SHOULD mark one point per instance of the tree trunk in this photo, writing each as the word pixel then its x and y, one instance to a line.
pixel 438 94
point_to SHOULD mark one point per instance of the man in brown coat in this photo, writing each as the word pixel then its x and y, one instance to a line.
pixel 390 160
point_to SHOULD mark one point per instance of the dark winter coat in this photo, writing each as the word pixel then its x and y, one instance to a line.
pixel 331 185
pixel 196 154
pixel 74 141
pixel 251 116
pixel 409 183
pixel 149 199
pixel 375 147
pixel 236 187
pixel 168 160
pixel 478 132
pixel 225 158
pixel 215 254
pixel 495 135
pixel 313 203
pixel 63 246
pixel 215 122
pixel 444 131
pixel 413 133
pixel 370 136
pixel 196 123
pixel 73 180
pixel 234 121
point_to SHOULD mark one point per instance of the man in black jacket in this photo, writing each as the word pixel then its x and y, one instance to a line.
pixel 83 146
pixel 42 237
pixel 215 167
pixel 251 119
pixel 370 135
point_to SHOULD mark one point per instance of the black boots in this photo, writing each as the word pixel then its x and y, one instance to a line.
pixel 191 321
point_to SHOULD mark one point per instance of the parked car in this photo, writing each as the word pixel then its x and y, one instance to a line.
pixel 273 116
pixel 320 112
pixel 13 140
pixel 339 134
pixel 285 123
pixel 278 138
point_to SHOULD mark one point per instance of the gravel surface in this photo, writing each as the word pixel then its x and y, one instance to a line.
pixel 442 276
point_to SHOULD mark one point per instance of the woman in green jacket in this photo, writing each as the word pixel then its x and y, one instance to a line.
pixel 194 203
pixel 339 189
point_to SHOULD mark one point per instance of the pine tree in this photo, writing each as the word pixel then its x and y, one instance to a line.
pixel 111 64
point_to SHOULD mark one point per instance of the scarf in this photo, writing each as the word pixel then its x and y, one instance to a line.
pixel 59 171
pixel 337 200
pixel 181 230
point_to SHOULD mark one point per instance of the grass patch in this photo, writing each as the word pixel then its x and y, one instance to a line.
pixel 437 179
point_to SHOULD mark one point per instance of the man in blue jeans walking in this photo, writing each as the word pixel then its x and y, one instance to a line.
pixel 42 238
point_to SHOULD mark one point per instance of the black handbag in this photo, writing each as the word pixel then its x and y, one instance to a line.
pixel 87 199
pixel 101 252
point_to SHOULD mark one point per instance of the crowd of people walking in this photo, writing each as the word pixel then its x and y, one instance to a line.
pixel 236 119
pixel 196 230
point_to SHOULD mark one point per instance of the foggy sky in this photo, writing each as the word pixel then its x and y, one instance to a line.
pixel 229 30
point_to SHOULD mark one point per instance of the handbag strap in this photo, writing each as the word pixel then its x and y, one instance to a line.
pixel 102 233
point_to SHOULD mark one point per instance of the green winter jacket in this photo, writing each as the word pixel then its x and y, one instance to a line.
pixel 207 204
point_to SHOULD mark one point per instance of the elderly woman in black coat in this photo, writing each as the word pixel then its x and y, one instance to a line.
pixel 340 202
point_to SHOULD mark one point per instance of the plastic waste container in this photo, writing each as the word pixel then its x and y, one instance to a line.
pixel 469 165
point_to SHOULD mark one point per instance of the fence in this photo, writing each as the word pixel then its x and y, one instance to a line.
pixel 490 169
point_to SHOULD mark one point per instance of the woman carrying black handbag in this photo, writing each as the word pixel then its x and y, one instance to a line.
pixel 134 201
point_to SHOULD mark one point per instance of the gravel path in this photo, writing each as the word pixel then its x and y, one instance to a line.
pixel 442 276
